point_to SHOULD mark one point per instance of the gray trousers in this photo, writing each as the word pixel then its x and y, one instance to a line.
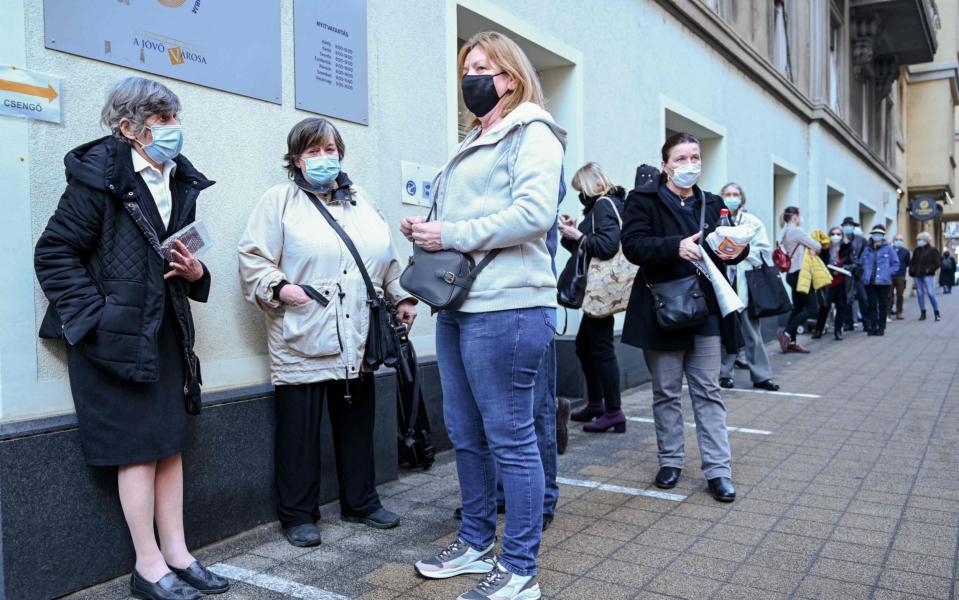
pixel 755 351
pixel 701 367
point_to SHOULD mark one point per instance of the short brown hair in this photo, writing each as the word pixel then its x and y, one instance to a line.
pixel 677 139
pixel 513 61
pixel 309 132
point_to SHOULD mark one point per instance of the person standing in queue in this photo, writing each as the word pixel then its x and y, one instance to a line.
pixel 661 234
pixel 899 277
pixel 759 249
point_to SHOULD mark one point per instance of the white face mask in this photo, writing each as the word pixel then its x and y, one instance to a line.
pixel 835 238
pixel 921 243
pixel 686 176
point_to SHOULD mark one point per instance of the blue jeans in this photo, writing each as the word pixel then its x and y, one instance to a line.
pixel 927 285
pixel 488 366
pixel 544 420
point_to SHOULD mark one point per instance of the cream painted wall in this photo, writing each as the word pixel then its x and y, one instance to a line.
pixel 642 62
pixel 931 112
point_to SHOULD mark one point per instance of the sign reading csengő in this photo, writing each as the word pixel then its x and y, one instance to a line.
pixel 29 94
pixel 216 44
pixel 329 58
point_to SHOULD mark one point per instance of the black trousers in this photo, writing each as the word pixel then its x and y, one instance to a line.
pixel 597 355
pixel 798 315
pixel 875 316
pixel 299 414
pixel 835 296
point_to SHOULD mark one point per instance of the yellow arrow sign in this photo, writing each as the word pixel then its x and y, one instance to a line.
pixel 30 90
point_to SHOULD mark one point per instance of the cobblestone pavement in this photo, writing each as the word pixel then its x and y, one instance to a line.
pixel 848 487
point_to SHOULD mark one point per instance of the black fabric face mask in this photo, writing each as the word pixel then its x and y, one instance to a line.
pixel 479 93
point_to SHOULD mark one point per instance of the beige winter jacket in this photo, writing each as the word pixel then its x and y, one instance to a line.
pixel 287 238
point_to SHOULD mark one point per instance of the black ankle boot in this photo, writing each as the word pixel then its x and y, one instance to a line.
pixel 838 333
pixel 922 315
pixel 938 316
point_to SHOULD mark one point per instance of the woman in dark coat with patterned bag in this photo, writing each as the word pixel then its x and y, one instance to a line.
pixel 661 234
pixel 124 312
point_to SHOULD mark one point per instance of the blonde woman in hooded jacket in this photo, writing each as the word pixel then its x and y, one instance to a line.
pixel 297 270
pixel 498 191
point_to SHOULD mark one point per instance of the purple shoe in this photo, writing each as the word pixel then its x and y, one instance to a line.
pixel 616 421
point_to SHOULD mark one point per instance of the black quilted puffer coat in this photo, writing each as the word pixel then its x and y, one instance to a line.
pixel 100 265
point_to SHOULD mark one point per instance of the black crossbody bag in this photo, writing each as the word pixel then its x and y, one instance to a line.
pixel 382 344
pixel 442 279
pixel 680 304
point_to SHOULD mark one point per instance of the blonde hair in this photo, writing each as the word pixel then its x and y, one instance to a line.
pixel 924 235
pixel 512 61
pixel 591 180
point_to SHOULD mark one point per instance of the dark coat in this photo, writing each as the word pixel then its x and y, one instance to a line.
pixel 603 241
pixel 947 275
pixel 652 231
pixel 925 261
pixel 98 263
pixel 904 258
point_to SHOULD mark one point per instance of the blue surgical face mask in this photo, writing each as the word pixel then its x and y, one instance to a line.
pixel 898 244
pixel 921 243
pixel 848 229
pixel 877 237
pixel 686 176
pixel 322 170
pixel 166 145
pixel 733 202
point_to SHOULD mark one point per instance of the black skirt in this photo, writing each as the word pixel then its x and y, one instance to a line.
pixel 127 422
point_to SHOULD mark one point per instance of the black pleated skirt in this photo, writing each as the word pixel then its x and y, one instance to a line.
pixel 126 422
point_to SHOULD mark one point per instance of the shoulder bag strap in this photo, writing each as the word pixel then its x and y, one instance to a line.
pixel 702 216
pixel 370 289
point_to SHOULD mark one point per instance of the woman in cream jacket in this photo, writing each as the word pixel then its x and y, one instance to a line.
pixel 295 268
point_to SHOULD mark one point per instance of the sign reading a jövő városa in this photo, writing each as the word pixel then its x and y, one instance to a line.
pixel 329 58
pixel 212 43
pixel 925 208
pixel 29 94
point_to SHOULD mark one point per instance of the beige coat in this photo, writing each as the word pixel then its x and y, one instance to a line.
pixel 287 238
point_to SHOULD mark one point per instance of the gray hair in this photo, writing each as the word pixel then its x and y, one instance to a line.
pixel 739 188
pixel 136 99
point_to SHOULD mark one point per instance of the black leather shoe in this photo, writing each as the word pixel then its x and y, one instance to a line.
pixel 304 535
pixel 741 365
pixel 170 587
pixel 378 519
pixel 562 425
pixel 547 521
pixel 727 382
pixel 201 578
pixel 722 489
pixel 769 384
pixel 667 477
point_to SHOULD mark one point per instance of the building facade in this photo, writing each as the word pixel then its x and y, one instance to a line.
pixel 838 107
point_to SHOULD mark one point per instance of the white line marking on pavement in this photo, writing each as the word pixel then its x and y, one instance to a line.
pixel 618 489
pixel 769 393
pixel 693 426
pixel 275 584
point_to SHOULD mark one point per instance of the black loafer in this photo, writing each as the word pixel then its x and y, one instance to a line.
pixel 547 521
pixel 727 382
pixel 170 587
pixel 722 489
pixel 201 578
pixel 667 477
pixel 769 384
pixel 378 519
pixel 303 536
pixel 562 425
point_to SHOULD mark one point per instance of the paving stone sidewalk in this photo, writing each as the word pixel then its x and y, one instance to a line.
pixel 848 487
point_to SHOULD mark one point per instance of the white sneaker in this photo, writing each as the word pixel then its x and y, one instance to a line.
pixel 500 584
pixel 459 558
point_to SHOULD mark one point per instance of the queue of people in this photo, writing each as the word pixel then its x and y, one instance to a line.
pixel 317 251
